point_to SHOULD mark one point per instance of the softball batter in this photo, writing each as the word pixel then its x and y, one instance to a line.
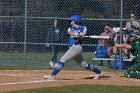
pixel 76 33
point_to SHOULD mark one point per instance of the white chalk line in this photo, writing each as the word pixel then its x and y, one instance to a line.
pixel 27 82
pixel 17 74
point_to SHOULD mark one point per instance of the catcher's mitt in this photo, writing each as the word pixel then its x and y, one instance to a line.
pixel 109 42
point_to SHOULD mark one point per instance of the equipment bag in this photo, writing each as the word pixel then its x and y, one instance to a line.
pixel 101 52
pixel 117 64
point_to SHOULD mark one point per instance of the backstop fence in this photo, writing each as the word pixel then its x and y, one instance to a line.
pixel 24 27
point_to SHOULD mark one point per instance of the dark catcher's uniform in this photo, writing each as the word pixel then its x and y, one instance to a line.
pixel 134 70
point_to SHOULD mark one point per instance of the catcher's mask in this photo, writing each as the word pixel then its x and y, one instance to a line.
pixel 134 34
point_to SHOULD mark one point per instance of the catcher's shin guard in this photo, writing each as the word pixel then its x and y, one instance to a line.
pixel 135 67
pixel 133 74
pixel 59 66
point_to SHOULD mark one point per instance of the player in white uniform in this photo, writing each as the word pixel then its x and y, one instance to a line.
pixel 76 33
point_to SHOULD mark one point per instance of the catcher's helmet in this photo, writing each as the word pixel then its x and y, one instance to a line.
pixel 76 18
pixel 135 34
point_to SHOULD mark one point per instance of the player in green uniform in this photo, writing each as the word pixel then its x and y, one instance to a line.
pixel 134 70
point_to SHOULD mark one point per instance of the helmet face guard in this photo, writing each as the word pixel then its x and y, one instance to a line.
pixel 136 35
pixel 131 35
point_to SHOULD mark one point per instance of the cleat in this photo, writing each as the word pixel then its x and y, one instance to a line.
pixel 98 75
pixel 49 77
pixel 51 63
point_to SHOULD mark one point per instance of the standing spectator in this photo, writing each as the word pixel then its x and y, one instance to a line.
pixel 107 32
pixel 54 36
pixel 133 23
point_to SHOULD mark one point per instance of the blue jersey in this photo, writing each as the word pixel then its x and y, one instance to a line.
pixel 72 40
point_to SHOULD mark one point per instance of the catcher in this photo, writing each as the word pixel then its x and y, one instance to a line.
pixel 134 44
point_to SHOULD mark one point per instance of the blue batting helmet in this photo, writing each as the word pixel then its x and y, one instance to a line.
pixel 76 18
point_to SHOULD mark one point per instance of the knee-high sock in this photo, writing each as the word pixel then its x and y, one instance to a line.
pixel 90 67
pixel 56 70
pixel 93 68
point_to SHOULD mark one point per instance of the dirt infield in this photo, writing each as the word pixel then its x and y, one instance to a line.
pixel 29 79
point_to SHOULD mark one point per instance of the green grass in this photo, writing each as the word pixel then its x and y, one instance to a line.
pixel 83 89
pixel 41 57
pixel 21 68
pixel 36 68
pixel 29 56
pixel 50 68
pixel 36 56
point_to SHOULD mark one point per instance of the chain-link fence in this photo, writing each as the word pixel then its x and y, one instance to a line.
pixel 24 26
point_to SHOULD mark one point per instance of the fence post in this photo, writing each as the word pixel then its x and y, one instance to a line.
pixel 25 33
pixel 121 33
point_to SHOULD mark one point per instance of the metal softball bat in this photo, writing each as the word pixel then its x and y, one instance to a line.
pixel 97 37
